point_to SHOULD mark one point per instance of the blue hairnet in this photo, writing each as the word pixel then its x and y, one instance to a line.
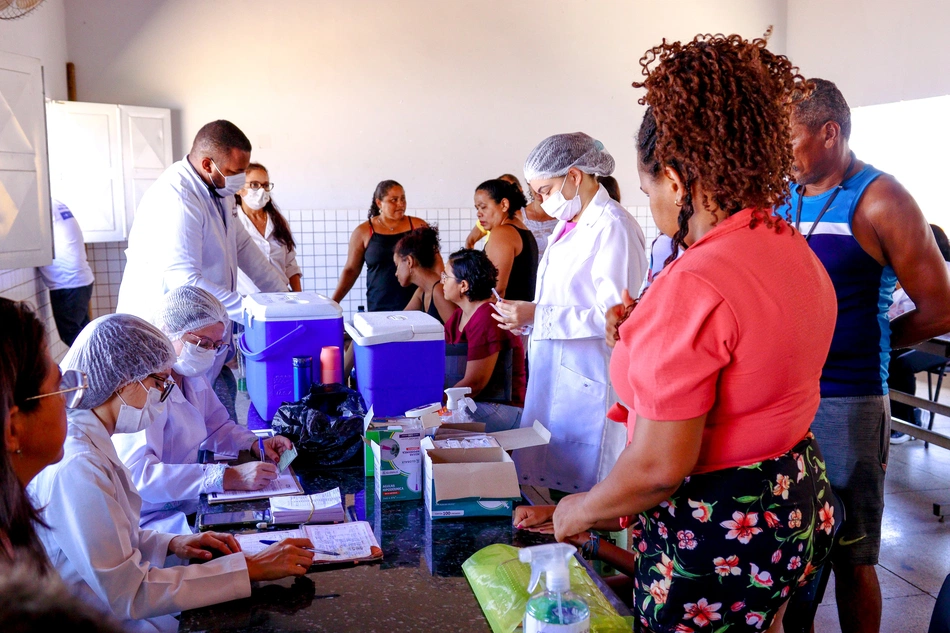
pixel 188 308
pixel 556 154
pixel 115 350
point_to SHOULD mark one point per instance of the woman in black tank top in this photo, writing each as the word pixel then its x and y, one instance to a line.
pixel 372 243
pixel 511 247
pixel 419 264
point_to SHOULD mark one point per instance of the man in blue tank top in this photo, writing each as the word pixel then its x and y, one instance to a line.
pixel 869 233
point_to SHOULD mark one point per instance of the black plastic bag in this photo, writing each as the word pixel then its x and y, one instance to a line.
pixel 326 426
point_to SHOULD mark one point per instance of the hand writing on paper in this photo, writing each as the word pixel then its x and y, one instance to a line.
pixel 617 315
pixel 250 476
pixel 201 546
pixel 275 446
pixel 287 558
pixel 514 315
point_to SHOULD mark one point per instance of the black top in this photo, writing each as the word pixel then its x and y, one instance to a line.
pixel 432 310
pixel 524 270
pixel 383 292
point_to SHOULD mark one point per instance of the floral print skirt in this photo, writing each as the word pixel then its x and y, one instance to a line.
pixel 730 546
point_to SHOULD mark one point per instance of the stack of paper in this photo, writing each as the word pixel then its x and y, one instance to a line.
pixel 330 543
pixel 324 507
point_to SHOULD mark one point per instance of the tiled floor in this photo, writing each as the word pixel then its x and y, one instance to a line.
pixel 915 549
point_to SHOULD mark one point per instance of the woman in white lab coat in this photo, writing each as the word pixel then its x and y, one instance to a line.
pixel 163 459
pixel 594 253
pixel 91 507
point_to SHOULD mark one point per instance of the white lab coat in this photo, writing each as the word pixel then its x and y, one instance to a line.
pixel 184 236
pixel 580 277
pixel 282 258
pixel 163 459
pixel 94 541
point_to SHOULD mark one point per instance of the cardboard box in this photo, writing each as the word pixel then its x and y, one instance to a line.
pixel 372 426
pixel 397 461
pixel 475 480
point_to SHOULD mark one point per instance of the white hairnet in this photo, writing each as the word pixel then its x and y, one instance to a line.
pixel 188 308
pixel 556 154
pixel 115 350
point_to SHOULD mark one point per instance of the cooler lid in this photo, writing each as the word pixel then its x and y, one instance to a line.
pixel 373 328
pixel 291 306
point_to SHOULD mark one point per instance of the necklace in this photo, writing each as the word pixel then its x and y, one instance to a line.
pixel 827 205
pixel 379 219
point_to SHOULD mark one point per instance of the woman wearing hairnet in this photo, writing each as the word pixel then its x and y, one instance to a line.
pixel 163 459
pixel 91 507
pixel 594 253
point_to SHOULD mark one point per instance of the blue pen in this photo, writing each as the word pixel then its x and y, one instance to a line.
pixel 260 446
pixel 309 549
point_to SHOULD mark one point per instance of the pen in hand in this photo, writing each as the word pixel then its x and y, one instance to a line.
pixel 260 446
pixel 309 549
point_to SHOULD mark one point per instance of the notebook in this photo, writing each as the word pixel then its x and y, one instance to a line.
pixel 323 507
pixel 285 484
pixel 336 543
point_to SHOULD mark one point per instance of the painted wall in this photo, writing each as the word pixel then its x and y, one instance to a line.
pixel 877 51
pixel 337 96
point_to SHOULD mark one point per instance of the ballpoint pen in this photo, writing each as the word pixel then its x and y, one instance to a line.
pixel 309 549
pixel 260 446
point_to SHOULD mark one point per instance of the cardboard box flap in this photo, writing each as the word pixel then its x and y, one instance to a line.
pixel 524 437
pixel 485 480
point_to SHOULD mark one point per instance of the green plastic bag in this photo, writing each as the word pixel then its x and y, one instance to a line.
pixel 500 583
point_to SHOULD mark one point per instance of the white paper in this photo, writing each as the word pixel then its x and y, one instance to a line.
pixel 349 540
pixel 481 441
pixel 285 484
pixel 321 501
pixel 251 543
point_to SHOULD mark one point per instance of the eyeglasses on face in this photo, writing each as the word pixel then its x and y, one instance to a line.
pixel 203 342
pixel 72 385
pixel 254 185
pixel 167 382
pixel 446 277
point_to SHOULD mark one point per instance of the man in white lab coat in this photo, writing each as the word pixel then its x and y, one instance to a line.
pixel 186 231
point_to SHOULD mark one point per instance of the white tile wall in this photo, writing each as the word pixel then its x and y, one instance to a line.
pixel 25 284
pixel 322 238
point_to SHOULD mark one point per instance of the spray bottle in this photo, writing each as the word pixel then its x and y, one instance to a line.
pixel 456 404
pixel 556 608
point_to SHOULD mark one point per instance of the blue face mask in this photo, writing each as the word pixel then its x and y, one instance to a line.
pixel 232 184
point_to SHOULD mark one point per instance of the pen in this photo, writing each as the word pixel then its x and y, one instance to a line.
pixel 309 549
pixel 260 446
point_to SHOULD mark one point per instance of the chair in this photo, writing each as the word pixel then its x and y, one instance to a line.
pixel 940 620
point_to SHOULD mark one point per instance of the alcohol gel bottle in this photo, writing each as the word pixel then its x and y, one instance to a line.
pixel 456 403
pixel 556 609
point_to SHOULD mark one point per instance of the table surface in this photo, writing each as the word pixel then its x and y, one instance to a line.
pixel 418 586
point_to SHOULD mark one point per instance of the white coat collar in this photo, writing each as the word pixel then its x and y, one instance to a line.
pixel 86 423
pixel 249 224
pixel 596 207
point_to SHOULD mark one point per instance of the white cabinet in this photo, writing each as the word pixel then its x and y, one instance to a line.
pixel 102 159
pixel 25 230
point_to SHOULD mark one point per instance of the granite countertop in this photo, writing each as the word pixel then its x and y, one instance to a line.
pixel 418 586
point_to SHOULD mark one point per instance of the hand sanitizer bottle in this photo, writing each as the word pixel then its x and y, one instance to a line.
pixel 556 609
pixel 456 403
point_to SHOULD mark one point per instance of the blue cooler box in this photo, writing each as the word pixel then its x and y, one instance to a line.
pixel 400 360
pixel 277 327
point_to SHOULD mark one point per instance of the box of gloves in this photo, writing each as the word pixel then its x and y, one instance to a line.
pixel 472 475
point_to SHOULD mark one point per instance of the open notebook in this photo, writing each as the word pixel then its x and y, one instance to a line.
pixel 337 543
pixel 285 484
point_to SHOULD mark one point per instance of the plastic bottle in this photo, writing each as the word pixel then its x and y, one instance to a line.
pixel 331 366
pixel 303 376
pixel 456 403
pixel 556 608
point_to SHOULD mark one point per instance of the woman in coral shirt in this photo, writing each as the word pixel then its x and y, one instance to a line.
pixel 719 363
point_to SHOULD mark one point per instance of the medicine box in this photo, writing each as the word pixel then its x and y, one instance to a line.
pixel 473 475
pixel 397 460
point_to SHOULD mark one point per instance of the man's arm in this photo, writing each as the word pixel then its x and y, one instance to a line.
pixel 891 228
pixel 253 262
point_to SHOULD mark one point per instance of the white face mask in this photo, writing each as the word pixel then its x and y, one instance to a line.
pixel 558 207
pixel 132 420
pixel 194 361
pixel 256 199
pixel 232 184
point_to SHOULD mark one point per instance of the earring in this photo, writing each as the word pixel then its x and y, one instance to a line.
pixel 679 203
pixel 18 451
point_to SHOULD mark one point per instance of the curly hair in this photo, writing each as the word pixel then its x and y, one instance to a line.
pixel 721 106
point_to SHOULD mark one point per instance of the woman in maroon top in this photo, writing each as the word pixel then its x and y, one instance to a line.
pixel 467 280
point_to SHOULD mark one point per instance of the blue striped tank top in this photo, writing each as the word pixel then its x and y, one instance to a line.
pixel 861 346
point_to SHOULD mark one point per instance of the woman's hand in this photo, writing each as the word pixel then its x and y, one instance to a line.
pixel 514 315
pixel 201 546
pixel 617 315
pixel 534 519
pixel 570 517
pixel 249 476
pixel 286 558
pixel 275 446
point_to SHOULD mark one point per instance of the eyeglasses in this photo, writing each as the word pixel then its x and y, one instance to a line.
pixel 205 343
pixel 167 382
pixel 254 185
pixel 445 277
pixel 73 383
